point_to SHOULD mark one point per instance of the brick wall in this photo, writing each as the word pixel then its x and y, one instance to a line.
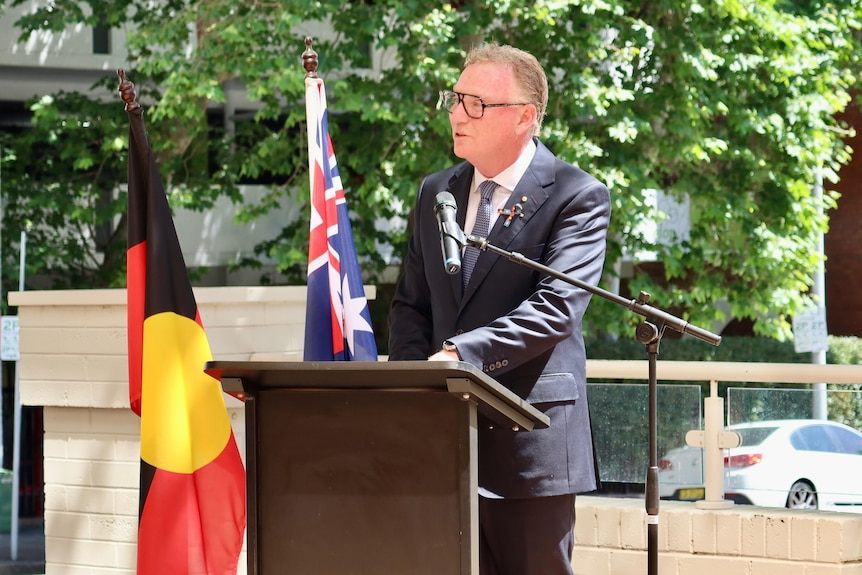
pixel 611 539
pixel 91 463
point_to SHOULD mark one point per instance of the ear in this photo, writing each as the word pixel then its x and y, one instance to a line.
pixel 527 119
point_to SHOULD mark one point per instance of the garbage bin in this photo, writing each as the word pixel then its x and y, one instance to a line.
pixel 5 501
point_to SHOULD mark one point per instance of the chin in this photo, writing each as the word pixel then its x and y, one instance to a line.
pixel 460 151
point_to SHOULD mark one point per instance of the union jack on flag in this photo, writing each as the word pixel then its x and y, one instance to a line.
pixel 337 320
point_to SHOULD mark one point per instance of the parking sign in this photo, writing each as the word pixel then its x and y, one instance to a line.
pixel 809 331
pixel 9 345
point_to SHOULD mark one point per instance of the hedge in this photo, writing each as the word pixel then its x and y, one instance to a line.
pixel 842 350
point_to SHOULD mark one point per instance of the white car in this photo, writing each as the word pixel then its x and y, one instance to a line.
pixel 796 463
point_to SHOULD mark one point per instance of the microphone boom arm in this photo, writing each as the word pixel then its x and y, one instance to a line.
pixel 639 306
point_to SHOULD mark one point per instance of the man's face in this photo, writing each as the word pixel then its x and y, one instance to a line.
pixel 494 141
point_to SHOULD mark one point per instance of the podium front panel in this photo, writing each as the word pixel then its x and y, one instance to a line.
pixel 361 482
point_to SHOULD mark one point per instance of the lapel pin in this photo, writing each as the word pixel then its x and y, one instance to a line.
pixel 515 210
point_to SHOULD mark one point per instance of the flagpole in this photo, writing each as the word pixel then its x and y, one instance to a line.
pixel 16 422
pixel 312 84
pixel 2 222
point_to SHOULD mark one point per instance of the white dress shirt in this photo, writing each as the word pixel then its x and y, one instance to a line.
pixel 506 180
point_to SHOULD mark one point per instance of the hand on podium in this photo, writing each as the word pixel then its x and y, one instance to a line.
pixel 445 355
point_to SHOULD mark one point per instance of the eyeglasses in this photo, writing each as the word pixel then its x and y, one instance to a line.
pixel 473 105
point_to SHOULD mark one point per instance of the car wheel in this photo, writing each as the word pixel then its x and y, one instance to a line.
pixel 802 496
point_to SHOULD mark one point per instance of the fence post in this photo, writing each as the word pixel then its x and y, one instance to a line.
pixel 713 440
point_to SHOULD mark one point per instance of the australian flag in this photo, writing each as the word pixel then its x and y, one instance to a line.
pixel 337 320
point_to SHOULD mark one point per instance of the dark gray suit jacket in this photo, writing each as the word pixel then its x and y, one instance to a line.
pixel 521 327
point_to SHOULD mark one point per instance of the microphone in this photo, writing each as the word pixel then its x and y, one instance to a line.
pixel 445 209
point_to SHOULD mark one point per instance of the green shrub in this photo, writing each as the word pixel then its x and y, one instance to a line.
pixel 842 350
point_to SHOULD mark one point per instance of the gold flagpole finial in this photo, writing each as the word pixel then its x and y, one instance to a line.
pixel 309 59
pixel 127 92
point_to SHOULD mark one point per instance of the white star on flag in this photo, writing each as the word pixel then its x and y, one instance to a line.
pixel 353 319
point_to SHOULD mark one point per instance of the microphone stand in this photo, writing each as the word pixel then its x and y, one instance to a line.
pixel 649 332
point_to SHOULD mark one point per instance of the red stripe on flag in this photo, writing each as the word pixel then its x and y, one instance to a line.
pixel 177 514
pixel 136 268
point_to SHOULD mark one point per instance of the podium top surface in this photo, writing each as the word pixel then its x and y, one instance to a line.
pixel 255 376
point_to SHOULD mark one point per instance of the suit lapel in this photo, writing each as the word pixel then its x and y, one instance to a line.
pixel 522 204
pixel 459 187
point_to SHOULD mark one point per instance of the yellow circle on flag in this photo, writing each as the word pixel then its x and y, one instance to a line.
pixel 184 423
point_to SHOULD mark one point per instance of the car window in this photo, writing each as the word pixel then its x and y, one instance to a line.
pixel 754 435
pixel 812 438
pixel 846 441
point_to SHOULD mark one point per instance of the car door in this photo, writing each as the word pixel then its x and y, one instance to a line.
pixel 848 446
pixel 823 459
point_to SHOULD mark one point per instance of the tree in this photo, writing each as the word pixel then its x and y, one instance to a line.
pixel 61 176
pixel 732 104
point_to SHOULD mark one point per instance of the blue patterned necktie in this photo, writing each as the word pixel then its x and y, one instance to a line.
pixel 480 228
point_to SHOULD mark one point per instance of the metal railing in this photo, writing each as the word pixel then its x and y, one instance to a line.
pixel 714 437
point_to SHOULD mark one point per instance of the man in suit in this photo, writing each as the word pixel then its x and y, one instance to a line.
pixel 519 326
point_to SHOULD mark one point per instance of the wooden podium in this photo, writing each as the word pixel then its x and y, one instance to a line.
pixel 365 468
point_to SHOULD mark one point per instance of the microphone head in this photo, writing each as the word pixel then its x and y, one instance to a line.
pixel 445 199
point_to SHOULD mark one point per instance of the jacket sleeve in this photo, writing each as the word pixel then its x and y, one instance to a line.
pixel 410 319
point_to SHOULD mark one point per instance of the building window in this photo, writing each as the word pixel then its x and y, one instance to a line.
pixel 364 58
pixel 101 38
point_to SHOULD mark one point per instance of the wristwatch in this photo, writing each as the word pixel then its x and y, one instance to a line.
pixel 449 346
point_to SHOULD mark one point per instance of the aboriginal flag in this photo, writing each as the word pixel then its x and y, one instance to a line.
pixel 192 492
pixel 337 319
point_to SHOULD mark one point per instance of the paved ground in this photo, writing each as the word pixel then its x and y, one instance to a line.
pixel 30 559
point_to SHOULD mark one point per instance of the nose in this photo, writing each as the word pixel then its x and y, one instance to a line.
pixel 458 115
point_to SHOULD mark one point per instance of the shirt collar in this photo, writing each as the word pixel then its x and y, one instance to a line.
pixel 510 177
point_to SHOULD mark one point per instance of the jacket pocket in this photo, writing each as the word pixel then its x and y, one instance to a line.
pixel 550 387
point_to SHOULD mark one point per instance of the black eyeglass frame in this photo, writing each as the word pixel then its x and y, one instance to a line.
pixel 458 98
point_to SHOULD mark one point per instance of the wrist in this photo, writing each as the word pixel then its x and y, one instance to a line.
pixel 451 347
